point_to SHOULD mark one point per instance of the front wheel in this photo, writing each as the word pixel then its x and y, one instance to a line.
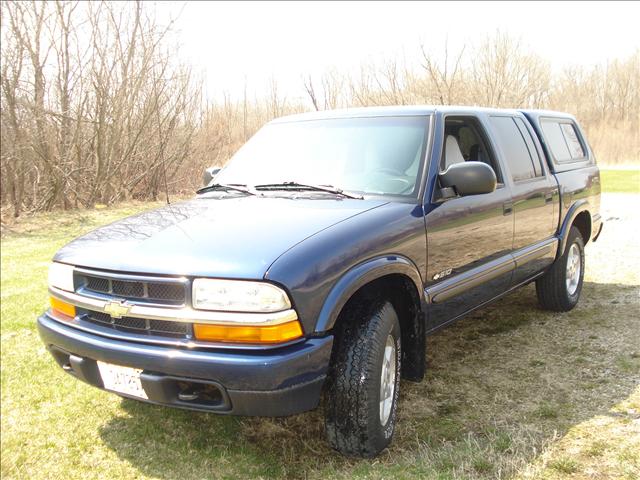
pixel 559 289
pixel 364 379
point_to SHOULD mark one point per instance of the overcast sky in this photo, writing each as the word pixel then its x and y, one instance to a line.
pixel 228 41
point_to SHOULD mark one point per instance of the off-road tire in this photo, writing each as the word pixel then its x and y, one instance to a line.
pixel 551 288
pixel 352 402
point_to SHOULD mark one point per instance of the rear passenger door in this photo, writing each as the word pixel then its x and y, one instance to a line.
pixel 535 196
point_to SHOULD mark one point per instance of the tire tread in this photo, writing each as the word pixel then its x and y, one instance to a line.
pixel 551 287
pixel 348 415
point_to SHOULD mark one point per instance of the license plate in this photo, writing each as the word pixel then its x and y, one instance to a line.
pixel 122 379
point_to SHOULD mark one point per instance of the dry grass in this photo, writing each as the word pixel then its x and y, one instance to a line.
pixel 511 392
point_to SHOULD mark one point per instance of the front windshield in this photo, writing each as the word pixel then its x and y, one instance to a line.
pixel 375 155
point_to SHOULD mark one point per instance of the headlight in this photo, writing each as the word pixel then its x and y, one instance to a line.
pixel 238 296
pixel 61 276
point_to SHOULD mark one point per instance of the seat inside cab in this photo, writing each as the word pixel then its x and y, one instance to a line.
pixel 464 142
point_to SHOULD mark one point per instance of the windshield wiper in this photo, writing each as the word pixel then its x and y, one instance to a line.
pixel 226 187
pixel 306 186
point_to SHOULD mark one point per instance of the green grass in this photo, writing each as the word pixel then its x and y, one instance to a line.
pixel 511 392
pixel 620 181
pixel 564 465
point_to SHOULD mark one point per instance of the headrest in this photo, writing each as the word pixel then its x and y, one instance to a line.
pixel 452 153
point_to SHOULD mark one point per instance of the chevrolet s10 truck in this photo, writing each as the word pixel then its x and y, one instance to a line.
pixel 316 262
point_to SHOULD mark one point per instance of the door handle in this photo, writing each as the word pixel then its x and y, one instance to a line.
pixel 507 208
pixel 548 197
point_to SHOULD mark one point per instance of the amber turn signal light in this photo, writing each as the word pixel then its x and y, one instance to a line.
pixel 62 308
pixel 280 333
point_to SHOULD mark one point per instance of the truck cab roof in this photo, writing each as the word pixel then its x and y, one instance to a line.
pixel 410 110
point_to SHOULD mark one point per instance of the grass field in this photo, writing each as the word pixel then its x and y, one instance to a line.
pixel 511 392
pixel 620 181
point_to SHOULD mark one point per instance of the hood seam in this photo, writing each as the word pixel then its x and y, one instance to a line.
pixel 266 273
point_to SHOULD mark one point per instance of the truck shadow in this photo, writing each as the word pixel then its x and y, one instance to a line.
pixel 503 384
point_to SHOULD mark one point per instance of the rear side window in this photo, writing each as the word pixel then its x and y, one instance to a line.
pixel 518 155
pixel 571 136
pixel 563 140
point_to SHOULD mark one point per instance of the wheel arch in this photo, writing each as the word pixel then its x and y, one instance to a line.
pixel 579 216
pixel 397 279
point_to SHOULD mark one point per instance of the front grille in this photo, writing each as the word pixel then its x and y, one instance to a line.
pixel 168 291
pixel 161 328
pixel 128 289
pixel 160 291
pixel 97 284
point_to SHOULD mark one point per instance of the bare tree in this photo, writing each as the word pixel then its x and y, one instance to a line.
pixel 445 78
pixel 85 128
pixel 331 92
pixel 503 74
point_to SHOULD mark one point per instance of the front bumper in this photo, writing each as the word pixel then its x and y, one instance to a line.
pixel 274 382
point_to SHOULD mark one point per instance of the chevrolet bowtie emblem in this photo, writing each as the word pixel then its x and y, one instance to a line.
pixel 117 309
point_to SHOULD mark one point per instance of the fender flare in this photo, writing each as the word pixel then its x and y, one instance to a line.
pixel 577 208
pixel 360 275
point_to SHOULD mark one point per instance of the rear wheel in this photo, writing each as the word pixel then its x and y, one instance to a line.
pixel 364 379
pixel 559 289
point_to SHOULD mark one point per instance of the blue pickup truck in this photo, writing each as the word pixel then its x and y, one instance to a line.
pixel 317 261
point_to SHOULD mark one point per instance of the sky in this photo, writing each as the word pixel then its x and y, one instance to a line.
pixel 231 43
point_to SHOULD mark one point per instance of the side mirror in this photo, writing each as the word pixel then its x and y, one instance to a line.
pixel 469 178
pixel 209 174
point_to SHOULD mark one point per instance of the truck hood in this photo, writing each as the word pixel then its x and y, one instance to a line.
pixel 232 237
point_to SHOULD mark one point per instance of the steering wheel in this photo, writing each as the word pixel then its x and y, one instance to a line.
pixel 389 171
pixel 395 177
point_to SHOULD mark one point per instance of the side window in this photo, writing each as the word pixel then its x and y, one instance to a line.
pixel 533 152
pixel 465 140
pixel 562 139
pixel 571 136
pixel 515 148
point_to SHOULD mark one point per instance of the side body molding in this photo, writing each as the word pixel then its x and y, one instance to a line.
pixel 360 275
pixel 578 207
pixel 456 285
